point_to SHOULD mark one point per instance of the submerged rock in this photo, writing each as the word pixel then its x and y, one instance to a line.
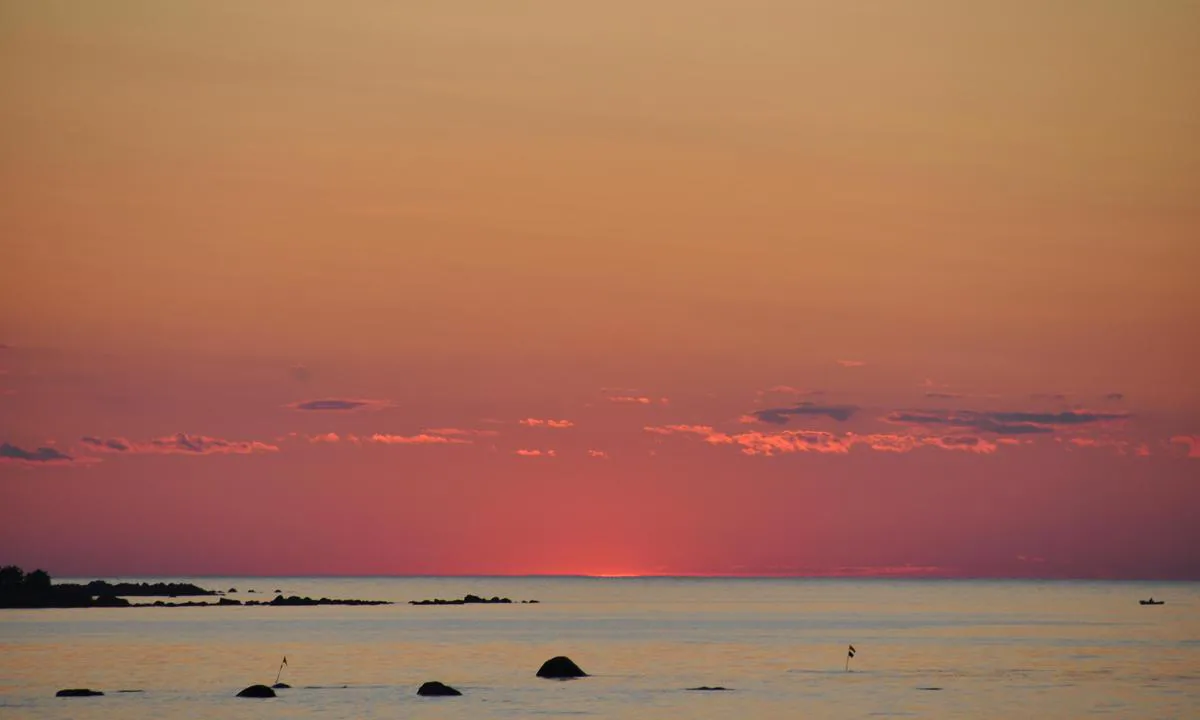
pixel 282 686
pixel 560 668
pixel 465 600
pixel 433 688
pixel 706 688
pixel 257 691
pixel 77 692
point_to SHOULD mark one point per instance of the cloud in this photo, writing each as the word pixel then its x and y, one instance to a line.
pixel 793 441
pixel 940 395
pixel 178 444
pixel 119 445
pixel 1114 397
pixel 631 397
pixel 556 424
pixel 299 373
pixel 781 416
pixel 339 405
pixel 1002 423
pixel 534 453
pixel 1192 442
pixel 1123 447
pixel 851 363
pixel 39 456
pixel 600 454
pixel 462 431
pixel 421 439
pixel 330 437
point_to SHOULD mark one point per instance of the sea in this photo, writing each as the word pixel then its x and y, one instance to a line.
pixel 923 649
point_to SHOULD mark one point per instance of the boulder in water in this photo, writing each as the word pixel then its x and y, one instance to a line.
pixel 707 688
pixel 281 686
pixel 433 688
pixel 77 692
pixel 560 668
pixel 257 691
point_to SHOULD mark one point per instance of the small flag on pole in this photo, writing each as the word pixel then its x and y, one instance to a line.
pixel 849 654
pixel 285 656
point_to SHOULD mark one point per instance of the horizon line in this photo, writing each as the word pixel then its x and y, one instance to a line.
pixel 646 576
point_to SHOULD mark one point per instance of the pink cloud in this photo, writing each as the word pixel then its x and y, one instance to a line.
pixel 1192 442
pixel 178 444
pixel 556 424
pixel 792 441
pixel 326 438
pixel 600 454
pixel 851 363
pixel 462 431
pixel 629 399
pixel 421 439
pixel 534 453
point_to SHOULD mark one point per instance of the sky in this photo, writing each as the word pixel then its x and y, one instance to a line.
pixel 655 287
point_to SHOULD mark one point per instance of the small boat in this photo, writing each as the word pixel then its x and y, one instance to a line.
pixel 1152 601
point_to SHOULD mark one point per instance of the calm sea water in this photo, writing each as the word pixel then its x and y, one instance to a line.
pixel 996 649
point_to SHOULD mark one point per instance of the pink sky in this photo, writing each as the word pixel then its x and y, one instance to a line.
pixel 639 288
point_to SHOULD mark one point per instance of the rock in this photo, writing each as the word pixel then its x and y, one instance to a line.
pixel 433 688
pixel 282 686
pixel 560 668
pixel 469 599
pixel 278 591
pixel 232 590
pixel 706 688
pixel 227 601
pixel 257 691
pixel 77 692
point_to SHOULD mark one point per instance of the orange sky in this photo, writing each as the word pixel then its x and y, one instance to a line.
pixel 467 214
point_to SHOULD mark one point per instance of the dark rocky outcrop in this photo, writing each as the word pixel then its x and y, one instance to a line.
pixel 434 688
pixel 469 600
pixel 232 590
pixel 159 589
pixel 560 668
pixel 281 686
pixel 35 590
pixel 257 691
pixel 300 601
pixel 706 688
pixel 77 692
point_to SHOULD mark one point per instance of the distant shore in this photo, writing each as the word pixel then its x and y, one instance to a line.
pixel 34 590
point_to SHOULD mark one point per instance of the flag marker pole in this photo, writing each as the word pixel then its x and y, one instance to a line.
pixel 280 669
pixel 849 654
